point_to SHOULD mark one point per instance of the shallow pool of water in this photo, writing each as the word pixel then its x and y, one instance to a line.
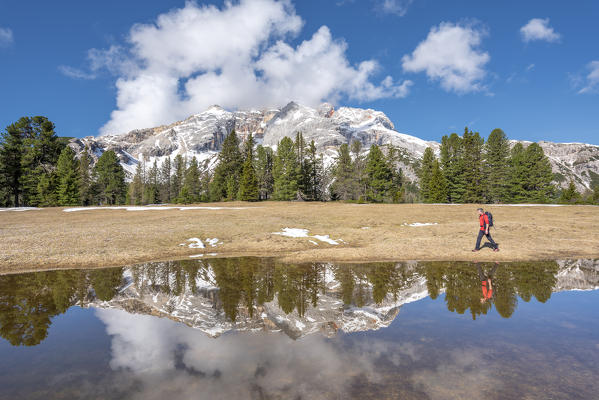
pixel 255 328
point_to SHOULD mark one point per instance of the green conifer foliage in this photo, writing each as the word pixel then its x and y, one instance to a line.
pixel 110 179
pixel 191 183
pixel 425 174
pixel 165 181
pixel 264 166
pixel 344 184
pixel 497 159
pixel 473 167
pixel 225 182
pixel 539 185
pixel 438 185
pixel 285 171
pixel 570 195
pixel 379 177
pixel 86 186
pixel 136 187
pixel 178 175
pixel 248 186
pixel 67 171
pixel 151 185
pixel 11 154
pixel 452 164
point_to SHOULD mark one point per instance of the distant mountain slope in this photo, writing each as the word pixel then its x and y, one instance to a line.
pixel 202 135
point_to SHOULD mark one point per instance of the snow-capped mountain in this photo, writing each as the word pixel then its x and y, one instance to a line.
pixel 202 135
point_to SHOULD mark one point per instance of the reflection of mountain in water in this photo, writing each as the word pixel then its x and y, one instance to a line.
pixel 259 294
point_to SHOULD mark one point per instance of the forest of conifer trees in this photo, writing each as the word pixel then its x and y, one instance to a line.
pixel 38 169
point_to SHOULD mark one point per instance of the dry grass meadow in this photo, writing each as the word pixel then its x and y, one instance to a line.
pixel 50 238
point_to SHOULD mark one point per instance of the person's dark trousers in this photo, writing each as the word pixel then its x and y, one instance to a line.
pixel 489 238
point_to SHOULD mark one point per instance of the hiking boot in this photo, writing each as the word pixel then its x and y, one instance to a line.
pixel 475 250
pixel 496 249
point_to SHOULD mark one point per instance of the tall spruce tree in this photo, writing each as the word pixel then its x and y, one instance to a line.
pixel 178 176
pixel 425 174
pixel 496 171
pixel 438 185
pixel 190 193
pixel 86 185
pixel 285 171
pixel 225 182
pixel 110 179
pixel 165 181
pixel 359 167
pixel 570 195
pixel 314 168
pixel 539 180
pixel 452 164
pixel 518 174
pixel 151 185
pixel 379 177
pixel 136 187
pixel 248 185
pixel 264 166
pixel 344 184
pixel 67 171
pixel 11 154
pixel 473 167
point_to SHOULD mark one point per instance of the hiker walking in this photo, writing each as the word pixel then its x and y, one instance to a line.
pixel 485 224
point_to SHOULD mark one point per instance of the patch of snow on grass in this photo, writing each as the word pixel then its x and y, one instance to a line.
pixel 212 254
pixel 313 242
pixel 420 224
pixel 197 243
pixel 303 233
pixel 365 227
pixel 20 209
pixel 147 208
pixel 196 256
pixel 212 242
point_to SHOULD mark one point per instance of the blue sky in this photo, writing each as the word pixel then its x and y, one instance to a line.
pixel 528 67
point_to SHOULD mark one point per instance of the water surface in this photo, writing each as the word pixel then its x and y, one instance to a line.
pixel 254 328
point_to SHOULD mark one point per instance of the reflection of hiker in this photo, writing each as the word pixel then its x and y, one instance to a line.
pixel 483 219
pixel 486 282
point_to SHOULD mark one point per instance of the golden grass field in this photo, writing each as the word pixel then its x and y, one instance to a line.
pixel 50 238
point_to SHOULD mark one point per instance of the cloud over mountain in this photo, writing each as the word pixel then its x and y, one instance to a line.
pixel 237 56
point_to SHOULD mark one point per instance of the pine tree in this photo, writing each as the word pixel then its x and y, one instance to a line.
pixel 165 181
pixel 314 168
pixel 539 180
pixel 496 170
pixel 264 166
pixel 41 151
pixel 358 165
pixel 11 154
pixel 425 174
pixel 473 167
pixel 151 185
pixel 110 179
pixel 67 171
pixel 136 187
pixel 178 176
pixel 248 185
pixel 46 190
pixel 518 174
pixel 452 165
pixel 191 187
pixel 86 187
pixel 379 176
pixel 344 184
pixel 302 172
pixel 570 195
pixel 225 182
pixel 285 171
pixel 438 185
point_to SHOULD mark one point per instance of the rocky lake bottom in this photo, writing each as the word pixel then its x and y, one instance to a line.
pixel 254 328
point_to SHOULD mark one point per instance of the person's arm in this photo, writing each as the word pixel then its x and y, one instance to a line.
pixel 486 220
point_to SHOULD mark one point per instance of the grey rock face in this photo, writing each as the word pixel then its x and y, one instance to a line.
pixel 202 135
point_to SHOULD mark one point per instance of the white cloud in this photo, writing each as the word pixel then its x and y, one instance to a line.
pixel 539 29
pixel 6 36
pixel 237 56
pixel 75 73
pixel 592 80
pixel 450 54
pixel 398 7
pixel 530 67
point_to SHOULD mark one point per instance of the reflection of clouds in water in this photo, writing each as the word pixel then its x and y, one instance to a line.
pixel 462 374
pixel 175 362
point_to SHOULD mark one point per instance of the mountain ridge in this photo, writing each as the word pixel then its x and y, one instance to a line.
pixel 201 135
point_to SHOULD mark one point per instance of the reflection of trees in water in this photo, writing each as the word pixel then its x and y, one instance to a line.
pixel 29 301
pixel 463 287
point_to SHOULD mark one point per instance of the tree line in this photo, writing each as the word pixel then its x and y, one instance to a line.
pixel 468 170
pixel 38 168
